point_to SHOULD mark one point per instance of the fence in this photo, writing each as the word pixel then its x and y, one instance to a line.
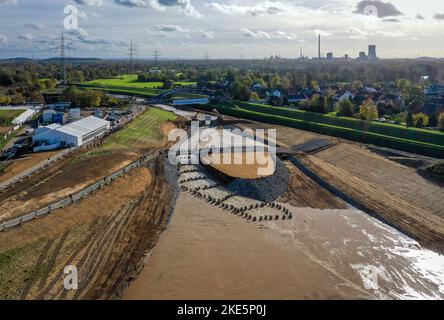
pixel 78 196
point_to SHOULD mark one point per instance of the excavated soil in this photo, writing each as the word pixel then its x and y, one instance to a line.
pixel 106 236
pixel 305 193
pixel 59 180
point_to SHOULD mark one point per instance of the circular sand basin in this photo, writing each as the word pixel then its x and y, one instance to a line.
pixel 243 165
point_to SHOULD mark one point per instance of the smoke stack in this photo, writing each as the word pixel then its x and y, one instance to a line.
pixel 319 46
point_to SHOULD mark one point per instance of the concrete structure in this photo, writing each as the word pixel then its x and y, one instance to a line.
pixel 372 52
pixel 362 56
pixel 330 56
pixel 73 134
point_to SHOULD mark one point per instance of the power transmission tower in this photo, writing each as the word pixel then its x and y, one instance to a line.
pixel 132 52
pixel 61 48
pixel 156 56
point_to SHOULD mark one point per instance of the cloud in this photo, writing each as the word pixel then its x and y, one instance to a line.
pixel 420 17
pixel 267 8
pixel 439 16
pixel 90 3
pixel 8 2
pixel 322 33
pixel 357 34
pixel 83 36
pixel 3 39
pixel 383 9
pixel 26 37
pixel 34 26
pixel 259 34
pixel 173 28
pixel 390 34
pixel 184 6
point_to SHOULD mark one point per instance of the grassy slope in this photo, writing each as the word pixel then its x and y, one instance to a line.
pixel 398 137
pixel 143 131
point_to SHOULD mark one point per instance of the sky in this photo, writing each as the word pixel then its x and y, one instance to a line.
pixel 226 29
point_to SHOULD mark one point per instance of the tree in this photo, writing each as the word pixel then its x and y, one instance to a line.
pixel 368 111
pixel 421 120
pixel 314 85
pixel 441 122
pixel 6 79
pixel 357 85
pixel 409 120
pixel 168 84
pixel 433 120
pixel 345 108
pixel 241 91
pixel 255 96
pixel 4 100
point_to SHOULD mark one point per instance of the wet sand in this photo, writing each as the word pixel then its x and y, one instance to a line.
pixel 207 253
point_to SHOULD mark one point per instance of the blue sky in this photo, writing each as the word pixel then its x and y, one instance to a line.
pixel 225 28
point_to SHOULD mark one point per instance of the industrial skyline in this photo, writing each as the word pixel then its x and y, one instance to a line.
pixel 224 28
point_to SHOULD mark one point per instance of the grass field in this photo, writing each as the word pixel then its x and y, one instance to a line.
pixel 414 140
pixel 128 85
pixel 145 131
pixel 128 81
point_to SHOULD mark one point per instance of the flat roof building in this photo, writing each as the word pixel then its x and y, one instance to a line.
pixel 74 134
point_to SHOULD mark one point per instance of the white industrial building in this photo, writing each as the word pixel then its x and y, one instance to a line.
pixel 74 134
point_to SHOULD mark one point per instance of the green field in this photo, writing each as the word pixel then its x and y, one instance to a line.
pixel 419 141
pixel 145 131
pixel 6 117
pixel 128 85
pixel 126 81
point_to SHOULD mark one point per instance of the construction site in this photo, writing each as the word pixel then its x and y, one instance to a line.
pixel 136 226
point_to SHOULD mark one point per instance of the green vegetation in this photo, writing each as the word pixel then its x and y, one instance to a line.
pixel 368 111
pixel 441 122
pixel 131 85
pixel 142 132
pixel 388 135
pixel 345 108
pixel 127 81
pixel 144 93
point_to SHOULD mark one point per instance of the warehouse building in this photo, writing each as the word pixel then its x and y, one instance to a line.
pixel 74 134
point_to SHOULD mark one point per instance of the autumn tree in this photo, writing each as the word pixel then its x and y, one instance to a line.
pixel 368 111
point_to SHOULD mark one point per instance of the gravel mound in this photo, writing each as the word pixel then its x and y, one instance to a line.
pixel 267 189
